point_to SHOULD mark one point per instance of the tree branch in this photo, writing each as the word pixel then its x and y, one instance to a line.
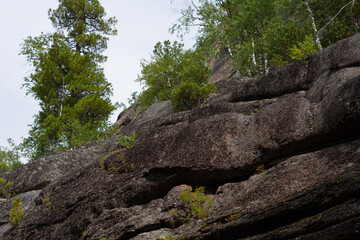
pixel 332 19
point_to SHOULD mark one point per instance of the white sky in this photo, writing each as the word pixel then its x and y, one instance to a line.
pixel 141 24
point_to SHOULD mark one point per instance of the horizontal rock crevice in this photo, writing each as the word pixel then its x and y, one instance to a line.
pixel 279 155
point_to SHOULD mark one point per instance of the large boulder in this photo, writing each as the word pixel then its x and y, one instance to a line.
pixel 278 155
pixel 156 110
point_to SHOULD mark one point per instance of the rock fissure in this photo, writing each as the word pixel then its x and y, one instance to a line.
pixel 268 163
pixel 283 215
pixel 278 155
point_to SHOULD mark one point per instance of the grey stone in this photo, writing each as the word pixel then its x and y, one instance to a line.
pixel 278 155
pixel 156 110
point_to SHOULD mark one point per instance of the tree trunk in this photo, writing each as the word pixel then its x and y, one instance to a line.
pixel 317 39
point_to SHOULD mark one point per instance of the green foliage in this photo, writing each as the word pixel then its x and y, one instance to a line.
pixel 304 49
pixel 102 162
pixel 172 67
pixel 16 212
pixel 113 169
pixel 233 217
pixel 339 181
pixel 260 169
pixel 335 19
pixel 68 82
pixel 266 34
pixel 127 141
pixel 173 213
pixel 9 158
pixel 85 25
pixel 103 158
pixel 189 94
pixel 4 188
pixel 46 202
pixel 200 205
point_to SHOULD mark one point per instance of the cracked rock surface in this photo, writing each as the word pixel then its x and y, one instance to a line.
pixel 278 155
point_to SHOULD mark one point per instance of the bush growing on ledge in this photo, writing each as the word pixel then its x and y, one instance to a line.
pixel 4 188
pixel 16 213
pixel 200 204
pixel 190 94
pixel 174 73
pixel 127 141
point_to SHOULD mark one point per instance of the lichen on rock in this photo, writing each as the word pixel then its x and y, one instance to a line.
pixel 300 123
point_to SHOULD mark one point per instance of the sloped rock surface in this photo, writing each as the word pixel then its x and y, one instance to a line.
pixel 37 174
pixel 222 68
pixel 279 157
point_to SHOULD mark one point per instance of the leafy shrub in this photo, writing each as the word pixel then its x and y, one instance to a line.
pixel 9 158
pixel 16 213
pixel 4 187
pixel 190 94
pixel 200 204
pixel 303 49
pixel 127 141
pixel 171 66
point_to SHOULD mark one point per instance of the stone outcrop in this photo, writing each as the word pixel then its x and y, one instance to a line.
pixel 222 67
pixel 278 155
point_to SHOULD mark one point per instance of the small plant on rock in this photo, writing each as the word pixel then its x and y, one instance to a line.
pixel 113 170
pixel 174 214
pixel 46 202
pixel 103 158
pixel 127 141
pixel 233 217
pixel 4 187
pixel 200 204
pixel 260 169
pixel 16 213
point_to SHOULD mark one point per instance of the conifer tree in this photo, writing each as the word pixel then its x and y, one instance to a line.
pixel 68 82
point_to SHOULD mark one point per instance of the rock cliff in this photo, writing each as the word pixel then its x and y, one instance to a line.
pixel 278 157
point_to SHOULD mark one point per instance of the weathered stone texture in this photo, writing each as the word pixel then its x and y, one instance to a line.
pixel 279 156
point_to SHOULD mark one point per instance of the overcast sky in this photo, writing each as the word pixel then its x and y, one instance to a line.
pixel 141 24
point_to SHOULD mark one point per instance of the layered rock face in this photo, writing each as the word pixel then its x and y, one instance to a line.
pixel 278 157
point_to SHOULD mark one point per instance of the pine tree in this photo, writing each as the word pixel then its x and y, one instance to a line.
pixel 68 82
